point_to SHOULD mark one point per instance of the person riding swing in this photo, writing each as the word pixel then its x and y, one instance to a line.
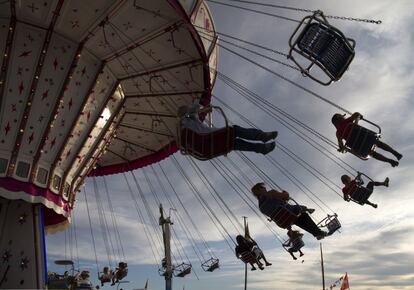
pixel 295 242
pixel 272 202
pixel 248 245
pixel 218 141
pixel 360 140
pixel 120 273
pixel 354 190
pixel 106 276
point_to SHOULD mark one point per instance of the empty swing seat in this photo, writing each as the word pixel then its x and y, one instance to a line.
pixel 361 141
pixel 323 45
pixel 210 265
pixel 331 222
pixel 182 270
pixel 207 145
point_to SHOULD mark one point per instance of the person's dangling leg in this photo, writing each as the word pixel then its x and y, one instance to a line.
pixel 388 148
pixel 242 145
pixel 305 208
pixel 371 184
pixel 380 157
pixel 370 187
pixel 253 134
pixel 306 223
pixel 291 253
pixel 267 263
pixel 371 204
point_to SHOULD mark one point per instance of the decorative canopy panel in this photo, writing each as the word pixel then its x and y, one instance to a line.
pixel 95 85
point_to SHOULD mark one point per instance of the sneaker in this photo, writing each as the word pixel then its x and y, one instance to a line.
pixel 268 264
pixel 394 163
pixel 322 235
pixel 310 210
pixel 253 269
pixel 374 205
pixel 386 182
pixel 399 156
pixel 267 136
pixel 261 267
pixel 268 147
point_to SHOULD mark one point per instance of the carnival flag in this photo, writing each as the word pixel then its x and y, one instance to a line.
pixel 345 283
pixel 337 283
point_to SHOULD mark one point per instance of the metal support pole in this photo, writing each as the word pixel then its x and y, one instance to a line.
pixel 245 264
pixel 323 271
pixel 166 234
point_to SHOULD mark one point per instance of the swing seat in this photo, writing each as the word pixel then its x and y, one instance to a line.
pixel 208 145
pixel 361 195
pixel 182 270
pixel 361 141
pixel 210 265
pixel 56 281
pixel 323 45
pixel 84 286
pixel 205 146
pixel 121 274
pixel 248 257
pixel 105 278
pixel 331 222
pixel 284 217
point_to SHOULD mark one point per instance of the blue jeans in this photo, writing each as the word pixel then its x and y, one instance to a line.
pixel 241 133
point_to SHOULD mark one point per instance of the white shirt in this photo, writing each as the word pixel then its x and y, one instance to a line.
pixel 191 121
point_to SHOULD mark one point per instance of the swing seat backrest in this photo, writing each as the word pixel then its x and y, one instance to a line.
pixel 210 265
pixel 248 257
pixel 182 270
pixel 327 47
pixel 361 195
pixel 207 145
pixel 213 267
pixel 121 273
pixel 333 225
pixel 58 283
pixel 106 278
pixel 361 141
pixel 323 45
pixel 331 222
pixel 184 273
pixel 284 217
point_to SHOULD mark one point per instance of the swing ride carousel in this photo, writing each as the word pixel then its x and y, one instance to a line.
pixel 89 89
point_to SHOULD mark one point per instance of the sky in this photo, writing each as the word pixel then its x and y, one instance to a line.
pixel 374 246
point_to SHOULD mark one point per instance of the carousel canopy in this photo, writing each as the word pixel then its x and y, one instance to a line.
pixel 94 86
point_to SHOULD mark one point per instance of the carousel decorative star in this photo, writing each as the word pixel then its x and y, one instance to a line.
pixel 6 256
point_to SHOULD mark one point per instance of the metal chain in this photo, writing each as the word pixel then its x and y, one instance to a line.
pixel 304 10
pixel 354 19
pixel 273 5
